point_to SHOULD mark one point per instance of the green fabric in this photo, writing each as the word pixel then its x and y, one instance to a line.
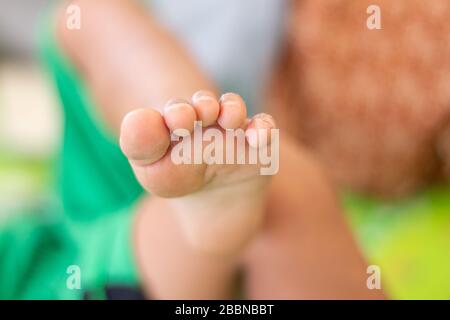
pixel 95 178
pixel 91 227
pixel 34 255
pixel 37 247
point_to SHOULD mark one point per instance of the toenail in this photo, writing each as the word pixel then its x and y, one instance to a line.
pixel 176 101
pixel 231 103
pixel 175 106
pixel 230 99
pixel 266 119
pixel 203 96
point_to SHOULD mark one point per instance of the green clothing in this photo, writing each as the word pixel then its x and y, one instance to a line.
pixel 37 248
pixel 91 227
pixel 409 240
pixel 95 177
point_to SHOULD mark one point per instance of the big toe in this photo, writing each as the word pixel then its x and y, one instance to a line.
pixel 144 137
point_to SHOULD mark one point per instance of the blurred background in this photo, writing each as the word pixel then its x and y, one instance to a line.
pixel 29 120
pixel 411 251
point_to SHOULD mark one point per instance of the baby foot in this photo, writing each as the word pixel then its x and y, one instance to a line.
pixel 204 188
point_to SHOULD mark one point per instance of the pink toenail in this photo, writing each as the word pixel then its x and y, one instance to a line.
pixel 175 106
pixel 230 99
pixel 202 96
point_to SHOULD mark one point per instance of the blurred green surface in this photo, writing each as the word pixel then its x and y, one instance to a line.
pixel 409 240
pixel 24 180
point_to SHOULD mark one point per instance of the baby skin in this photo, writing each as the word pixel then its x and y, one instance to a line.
pixel 215 209
pixel 204 223
pixel 219 205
